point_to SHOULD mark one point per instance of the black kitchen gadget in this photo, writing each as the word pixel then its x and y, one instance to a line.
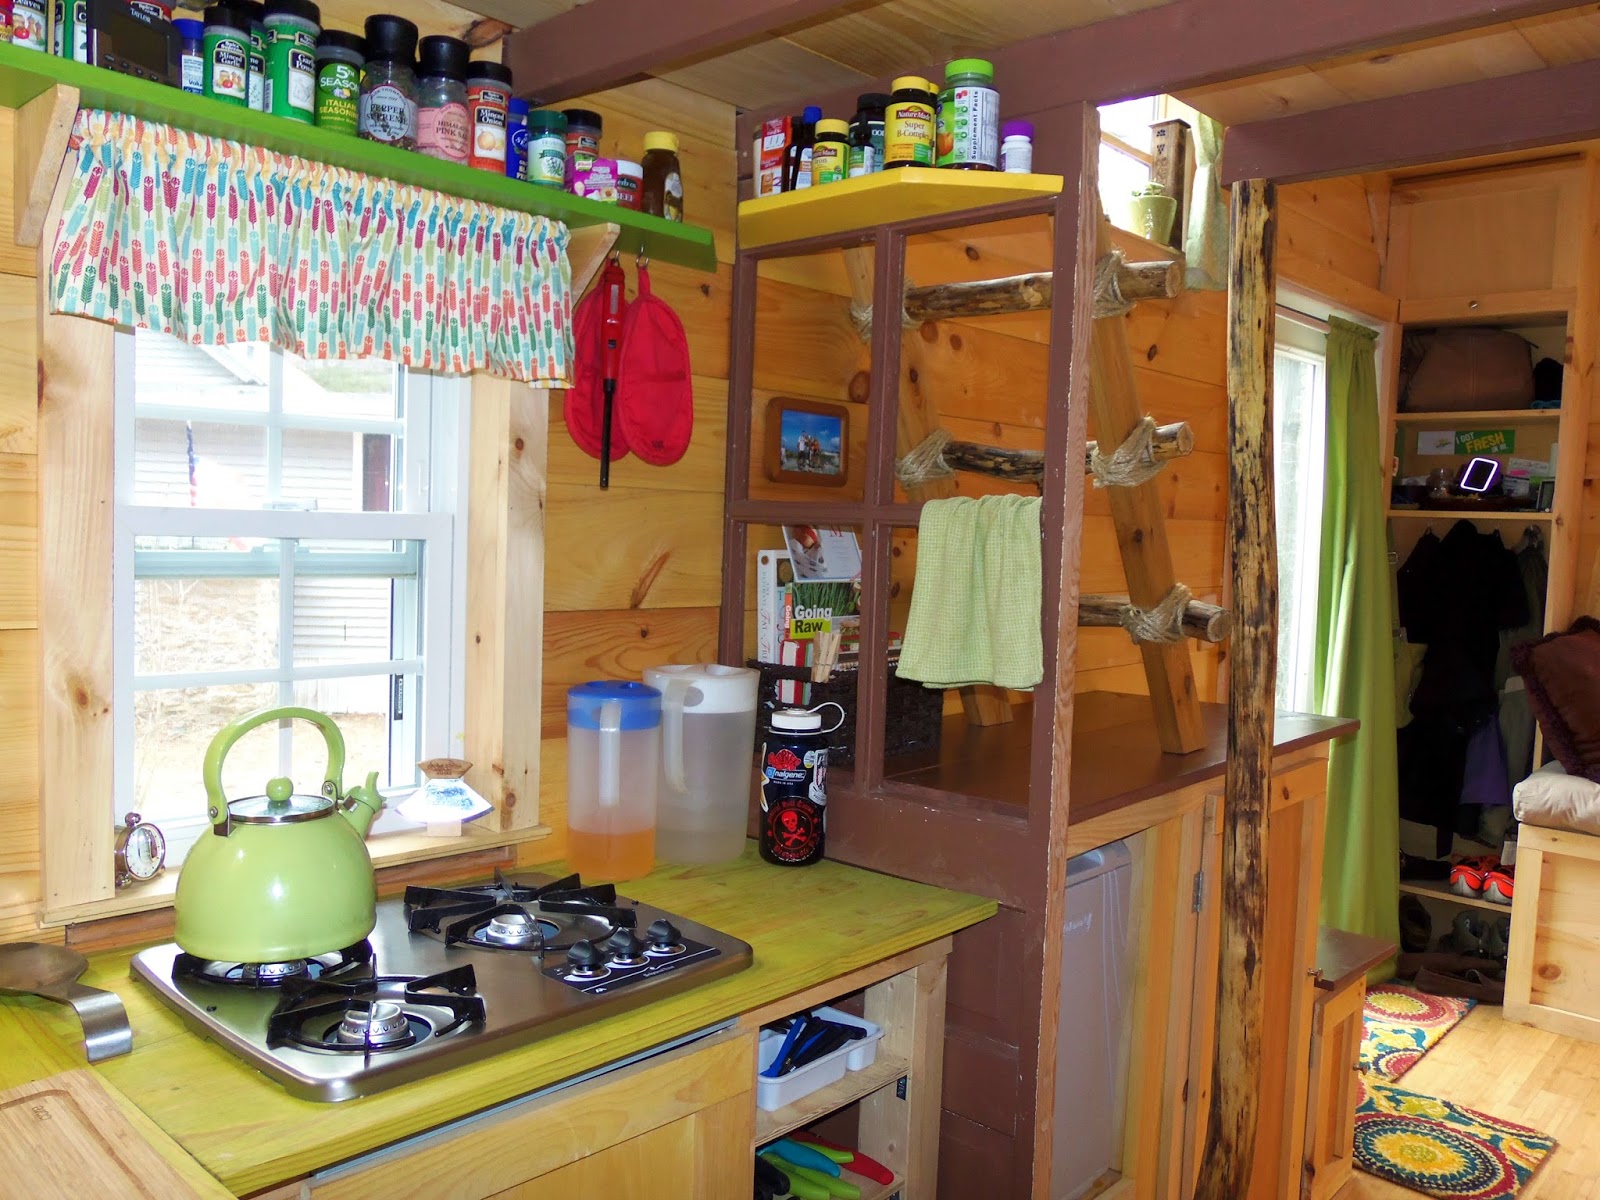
pixel 133 43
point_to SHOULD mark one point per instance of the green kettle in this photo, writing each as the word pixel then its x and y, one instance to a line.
pixel 282 876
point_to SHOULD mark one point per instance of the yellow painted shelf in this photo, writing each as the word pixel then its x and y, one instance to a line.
pixel 1469 514
pixel 872 200
pixel 1441 891
pixel 885 1069
pixel 1480 419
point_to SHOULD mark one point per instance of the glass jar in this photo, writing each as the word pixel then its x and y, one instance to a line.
pixel 340 57
pixel 488 105
pixel 292 30
pixel 442 127
pixel 389 86
pixel 662 192
pixel 910 124
pixel 969 116
pixel 583 139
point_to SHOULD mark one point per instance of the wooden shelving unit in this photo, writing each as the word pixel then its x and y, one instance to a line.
pixel 1497 416
pixel 1456 514
pixel 880 199
pixel 856 1085
pixel 1441 891
pixel 25 74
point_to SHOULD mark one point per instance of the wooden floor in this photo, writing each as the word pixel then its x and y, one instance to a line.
pixel 1526 1075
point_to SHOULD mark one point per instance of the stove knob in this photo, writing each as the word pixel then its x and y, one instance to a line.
pixel 663 933
pixel 624 944
pixel 585 955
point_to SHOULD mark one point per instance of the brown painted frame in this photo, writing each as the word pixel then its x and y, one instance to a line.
pixel 772 452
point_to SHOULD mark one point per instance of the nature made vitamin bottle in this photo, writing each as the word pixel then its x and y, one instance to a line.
pixel 910 123
pixel 292 30
pixel 830 154
pixel 227 52
pixel 442 127
pixel 488 105
pixel 969 116
pixel 661 194
pixel 340 57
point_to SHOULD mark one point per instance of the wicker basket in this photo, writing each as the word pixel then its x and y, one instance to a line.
pixel 915 717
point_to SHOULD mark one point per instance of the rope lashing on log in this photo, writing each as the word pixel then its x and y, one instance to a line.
pixel 1130 464
pixel 1108 298
pixel 940 456
pixel 1163 623
pixel 1203 621
pixel 926 460
pixel 861 318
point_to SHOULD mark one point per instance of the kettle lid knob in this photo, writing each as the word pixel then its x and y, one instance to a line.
pixel 279 790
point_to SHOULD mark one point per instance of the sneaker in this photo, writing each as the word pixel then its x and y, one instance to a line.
pixel 1467 934
pixel 1499 883
pixel 1467 876
pixel 1497 938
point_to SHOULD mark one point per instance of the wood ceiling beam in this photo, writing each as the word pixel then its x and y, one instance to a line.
pixel 605 43
pixel 1464 120
pixel 1190 44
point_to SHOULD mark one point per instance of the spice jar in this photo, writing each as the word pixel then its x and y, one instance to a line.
pixel 583 139
pixel 442 127
pixel 630 182
pixel 866 134
pixel 255 29
pixel 292 30
pixel 549 136
pixel 830 155
pixel 70 36
pixel 191 56
pixel 227 54
pixel 156 10
pixel 1016 151
pixel 389 85
pixel 910 122
pixel 28 25
pixel 662 192
pixel 340 57
pixel 969 116
pixel 516 139
pixel 488 97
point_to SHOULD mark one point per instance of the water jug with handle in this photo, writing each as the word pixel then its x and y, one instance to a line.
pixel 708 724
pixel 613 768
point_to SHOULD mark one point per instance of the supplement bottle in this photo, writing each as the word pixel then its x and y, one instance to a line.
pixel 1016 150
pixel 488 95
pixel 830 156
pixel 340 57
pixel 866 134
pixel 293 27
pixel 389 85
pixel 227 54
pixel 443 130
pixel 969 116
pixel 191 56
pixel 797 164
pixel 661 194
pixel 910 123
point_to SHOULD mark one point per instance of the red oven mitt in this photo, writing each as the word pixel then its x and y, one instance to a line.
pixel 655 394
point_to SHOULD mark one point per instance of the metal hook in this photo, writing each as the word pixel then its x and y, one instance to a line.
pixel 641 261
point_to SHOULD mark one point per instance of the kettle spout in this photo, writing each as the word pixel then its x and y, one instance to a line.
pixel 362 804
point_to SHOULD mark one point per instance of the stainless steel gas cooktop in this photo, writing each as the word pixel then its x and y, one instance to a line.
pixel 448 976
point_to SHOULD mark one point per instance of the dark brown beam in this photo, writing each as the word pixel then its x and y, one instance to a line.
pixel 1464 120
pixel 1188 44
pixel 605 43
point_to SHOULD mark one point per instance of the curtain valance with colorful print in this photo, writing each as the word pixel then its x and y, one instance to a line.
pixel 214 242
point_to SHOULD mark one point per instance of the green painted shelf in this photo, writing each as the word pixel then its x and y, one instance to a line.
pixel 24 74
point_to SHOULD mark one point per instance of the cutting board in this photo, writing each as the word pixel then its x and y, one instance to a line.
pixel 66 1138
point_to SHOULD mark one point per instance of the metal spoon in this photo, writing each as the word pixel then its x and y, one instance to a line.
pixel 33 968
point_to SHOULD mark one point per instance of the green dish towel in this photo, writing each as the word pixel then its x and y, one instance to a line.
pixel 975 608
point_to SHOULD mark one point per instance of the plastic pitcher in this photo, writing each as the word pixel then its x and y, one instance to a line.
pixel 708 726
pixel 613 763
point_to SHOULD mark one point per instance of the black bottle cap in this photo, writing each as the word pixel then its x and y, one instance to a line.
pixel 253 11
pixel 303 9
pixel 390 39
pixel 582 116
pixel 338 39
pixel 231 16
pixel 873 100
pixel 438 55
pixel 485 69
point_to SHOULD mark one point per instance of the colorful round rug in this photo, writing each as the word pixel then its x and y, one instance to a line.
pixel 1402 1024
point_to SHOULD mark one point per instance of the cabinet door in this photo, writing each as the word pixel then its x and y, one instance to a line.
pixel 681 1124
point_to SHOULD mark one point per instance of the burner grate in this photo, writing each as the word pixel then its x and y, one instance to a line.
pixel 362 1017
pixel 340 964
pixel 464 916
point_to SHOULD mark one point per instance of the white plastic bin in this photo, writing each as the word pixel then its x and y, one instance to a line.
pixel 773 1094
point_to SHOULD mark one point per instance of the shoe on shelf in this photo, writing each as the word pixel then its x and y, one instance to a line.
pixel 1471 984
pixel 1416 926
pixel 1466 935
pixel 1499 883
pixel 1497 938
pixel 1468 875
pixel 1424 870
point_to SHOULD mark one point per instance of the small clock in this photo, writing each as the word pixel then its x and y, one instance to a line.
pixel 141 851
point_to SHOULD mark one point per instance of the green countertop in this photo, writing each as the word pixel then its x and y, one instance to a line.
pixel 806 926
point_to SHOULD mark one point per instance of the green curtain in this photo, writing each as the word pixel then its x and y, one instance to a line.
pixel 1205 244
pixel 1354 667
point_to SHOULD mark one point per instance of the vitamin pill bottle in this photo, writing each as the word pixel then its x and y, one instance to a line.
pixel 910 124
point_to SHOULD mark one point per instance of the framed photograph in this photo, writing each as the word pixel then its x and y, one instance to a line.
pixel 807 442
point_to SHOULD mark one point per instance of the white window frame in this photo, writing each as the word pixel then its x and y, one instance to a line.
pixel 435 425
pixel 1299 656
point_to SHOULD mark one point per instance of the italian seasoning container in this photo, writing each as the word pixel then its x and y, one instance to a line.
pixel 292 30
pixel 910 124
pixel 488 101
pixel 255 28
pixel 227 54
pixel 340 57
pixel 794 798
pixel 389 86
pixel 443 130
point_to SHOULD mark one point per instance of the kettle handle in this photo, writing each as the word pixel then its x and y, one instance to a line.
pixel 229 734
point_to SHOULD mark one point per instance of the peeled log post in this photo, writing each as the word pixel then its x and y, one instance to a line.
pixel 1026 293
pixel 1208 622
pixel 1231 1140
pixel 1027 466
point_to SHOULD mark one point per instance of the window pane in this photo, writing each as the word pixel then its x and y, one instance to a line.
pixel 343 620
pixel 199 464
pixel 204 624
pixel 226 378
pixel 1298 480
pixel 322 470
pixel 1120 176
pixel 173 728
pixel 364 712
pixel 364 388
pixel 1130 120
